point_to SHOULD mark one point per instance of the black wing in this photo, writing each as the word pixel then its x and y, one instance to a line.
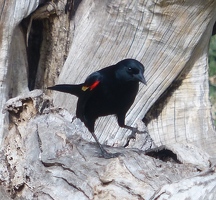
pixel 88 89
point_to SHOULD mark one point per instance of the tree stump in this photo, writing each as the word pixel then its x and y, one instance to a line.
pixel 47 153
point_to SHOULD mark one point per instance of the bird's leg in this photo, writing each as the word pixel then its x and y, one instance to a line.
pixel 133 132
pixel 105 154
pixel 132 135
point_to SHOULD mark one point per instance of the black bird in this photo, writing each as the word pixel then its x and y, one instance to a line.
pixel 109 91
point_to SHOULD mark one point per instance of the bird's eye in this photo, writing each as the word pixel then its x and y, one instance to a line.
pixel 130 70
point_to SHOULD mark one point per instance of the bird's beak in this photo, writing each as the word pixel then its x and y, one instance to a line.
pixel 141 78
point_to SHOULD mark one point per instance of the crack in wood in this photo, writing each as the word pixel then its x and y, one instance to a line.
pixel 164 154
pixel 73 185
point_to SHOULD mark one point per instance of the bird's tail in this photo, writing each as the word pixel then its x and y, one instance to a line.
pixel 67 88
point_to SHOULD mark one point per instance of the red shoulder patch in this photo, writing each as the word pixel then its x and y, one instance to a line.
pixel 94 85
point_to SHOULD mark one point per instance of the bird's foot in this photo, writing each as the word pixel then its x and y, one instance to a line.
pixel 133 134
pixel 107 155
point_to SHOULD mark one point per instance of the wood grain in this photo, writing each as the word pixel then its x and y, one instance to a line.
pixel 172 43
pixel 46 153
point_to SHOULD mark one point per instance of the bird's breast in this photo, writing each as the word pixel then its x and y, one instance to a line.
pixel 111 99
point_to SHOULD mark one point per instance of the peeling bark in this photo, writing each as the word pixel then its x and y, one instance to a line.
pixel 47 153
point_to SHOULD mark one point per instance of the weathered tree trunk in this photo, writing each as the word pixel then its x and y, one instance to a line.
pixel 46 153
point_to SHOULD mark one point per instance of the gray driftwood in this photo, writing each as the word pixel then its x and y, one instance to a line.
pixel 47 153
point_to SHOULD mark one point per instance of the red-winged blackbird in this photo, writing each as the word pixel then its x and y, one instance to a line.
pixel 111 90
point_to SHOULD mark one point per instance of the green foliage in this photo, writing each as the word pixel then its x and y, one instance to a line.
pixel 212 72
pixel 212 56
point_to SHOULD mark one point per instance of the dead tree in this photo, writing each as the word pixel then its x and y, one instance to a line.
pixel 46 153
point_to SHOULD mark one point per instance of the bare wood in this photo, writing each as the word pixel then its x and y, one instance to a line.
pixel 13 66
pixel 46 151
pixel 49 156
pixel 171 44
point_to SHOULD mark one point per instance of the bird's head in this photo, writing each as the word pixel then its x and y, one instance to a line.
pixel 130 70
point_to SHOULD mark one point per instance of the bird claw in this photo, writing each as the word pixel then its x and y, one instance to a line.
pixel 133 135
pixel 141 132
pixel 107 155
